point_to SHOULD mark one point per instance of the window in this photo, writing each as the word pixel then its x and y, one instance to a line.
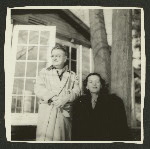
pixel 79 60
pixel 74 57
pixel 32 47
pixel 71 57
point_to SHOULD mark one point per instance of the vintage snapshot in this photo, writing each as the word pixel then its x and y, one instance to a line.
pixel 74 74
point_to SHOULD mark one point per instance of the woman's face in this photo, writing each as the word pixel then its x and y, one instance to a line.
pixel 93 84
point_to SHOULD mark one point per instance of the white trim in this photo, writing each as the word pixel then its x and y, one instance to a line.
pixel 73 7
pixel 143 71
pixel 26 118
pixel 80 75
pixel 7 68
pixel 32 45
pixel 19 119
pixel 67 43
pixel 22 106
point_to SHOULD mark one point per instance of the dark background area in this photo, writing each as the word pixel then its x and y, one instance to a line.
pixel 107 3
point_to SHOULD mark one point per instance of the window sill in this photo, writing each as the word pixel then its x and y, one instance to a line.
pixel 19 119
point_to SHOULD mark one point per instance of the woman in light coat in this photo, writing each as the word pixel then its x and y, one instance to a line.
pixel 57 87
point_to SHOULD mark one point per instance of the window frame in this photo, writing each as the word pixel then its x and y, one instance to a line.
pixel 78 54
pixel 27 118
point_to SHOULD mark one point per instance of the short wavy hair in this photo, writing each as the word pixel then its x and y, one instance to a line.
pixel 61 47
pixel 104 86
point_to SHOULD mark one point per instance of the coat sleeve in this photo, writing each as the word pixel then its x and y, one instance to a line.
pixel 40 88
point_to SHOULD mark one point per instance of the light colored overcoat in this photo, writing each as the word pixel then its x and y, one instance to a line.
pixel 54 124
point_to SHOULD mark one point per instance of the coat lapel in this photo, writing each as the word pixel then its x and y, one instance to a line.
pixel 56 83
pixel 54 79
pixel 65 78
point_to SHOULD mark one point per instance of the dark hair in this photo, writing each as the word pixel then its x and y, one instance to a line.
pixel 104 86
pixel 61 47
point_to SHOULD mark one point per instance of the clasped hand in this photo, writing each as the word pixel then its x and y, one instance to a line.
pixel 60 101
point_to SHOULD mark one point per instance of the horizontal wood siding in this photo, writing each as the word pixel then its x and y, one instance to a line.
pixel 53 19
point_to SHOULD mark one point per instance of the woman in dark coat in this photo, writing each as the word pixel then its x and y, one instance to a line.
pixel 97 115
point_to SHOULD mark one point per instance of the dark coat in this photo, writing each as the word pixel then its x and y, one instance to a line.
pixel 106 122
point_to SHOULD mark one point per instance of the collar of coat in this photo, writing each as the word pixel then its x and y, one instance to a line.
pixel 65 68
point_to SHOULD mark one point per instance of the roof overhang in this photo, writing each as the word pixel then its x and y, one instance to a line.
pixel 69 16
pixel 76 19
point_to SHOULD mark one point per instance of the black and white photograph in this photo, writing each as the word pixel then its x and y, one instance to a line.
pixel 74 74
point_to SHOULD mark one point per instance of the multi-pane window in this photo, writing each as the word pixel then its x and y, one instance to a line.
pixel 32 45
pixel 72 58
pixel 79 59
pixel 72 54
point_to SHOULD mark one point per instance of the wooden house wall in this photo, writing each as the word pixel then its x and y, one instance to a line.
pixel 64 29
